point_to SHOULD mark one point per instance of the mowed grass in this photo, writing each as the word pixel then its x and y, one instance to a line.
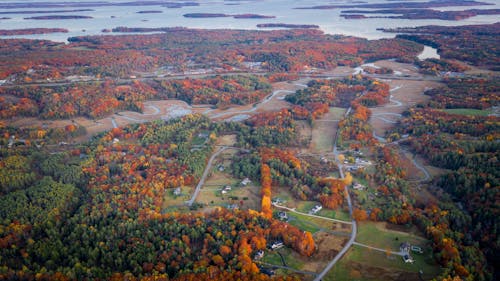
pixel 369 259
pixel 335 214
pixel 468 111
pixel 272 257
pixel 376 235
pixel 169 199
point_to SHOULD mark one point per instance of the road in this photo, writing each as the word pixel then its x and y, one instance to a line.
pixel 204 176
pixel 204 75
pixel 354 229
pixel 263 102
pixel 310 215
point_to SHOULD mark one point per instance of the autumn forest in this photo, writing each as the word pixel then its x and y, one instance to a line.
pixel 197 154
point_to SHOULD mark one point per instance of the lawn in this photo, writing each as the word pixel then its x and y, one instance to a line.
pixel 306 206
pixel 335 214
pixel 376 235
pixel 364 264
pixel 170 199
pixel 303 223
pixel 468 111
pixel 273 257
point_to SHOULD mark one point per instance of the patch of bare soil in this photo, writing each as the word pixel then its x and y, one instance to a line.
pixel 404 94
pixel 227 140
pixel 328 246
pixel 365 271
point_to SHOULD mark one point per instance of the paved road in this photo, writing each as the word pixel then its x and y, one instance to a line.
pixel 113 121
pixel 354 229
pixel 204 176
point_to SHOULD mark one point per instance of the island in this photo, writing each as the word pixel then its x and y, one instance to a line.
pixel 401 5
pixel 46 12
pixel 57 17
pixel 172 5
pixel 143 29
pixel 218 15
pixel 253 16
pixel 150 12
pixel 419 14
pixel 286 25
pixel 8 32
pixel 205 15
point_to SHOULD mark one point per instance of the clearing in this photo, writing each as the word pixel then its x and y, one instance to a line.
pixel 324 130
pixel 364 264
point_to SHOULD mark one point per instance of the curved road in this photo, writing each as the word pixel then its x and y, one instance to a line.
pixel 264 101
pixel 204 176
pixel 354 230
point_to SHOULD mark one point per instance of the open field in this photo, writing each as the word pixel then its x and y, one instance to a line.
pixel 324 129
pixel 469 111
pixel 404 93
pixel 386 236
pixel 246 197
pixel 327 247
pixel 170 199
pixel 364 264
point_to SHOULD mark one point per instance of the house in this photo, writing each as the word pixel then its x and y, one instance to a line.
pixel 408 259
pixel 358 186
pixel 323 160
pixel 233 207
pixel 245 181
pixel 416 249
pixel 221 168
pixel 316 209
pixel 259 255
pixel 277 245
pixel 177 191
pixel 404 248
pixel 276 201
pixel 226 189
pixel 267 271
pixel 283 216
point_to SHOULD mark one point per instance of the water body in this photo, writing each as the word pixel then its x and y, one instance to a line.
pixel 329 20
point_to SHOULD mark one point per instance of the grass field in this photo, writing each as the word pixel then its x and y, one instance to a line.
pixel 324 129
pixel 273 257
pixel 468 111
pixel 365 264
pixel 171 200
pixel 335 214
pixel 375 234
